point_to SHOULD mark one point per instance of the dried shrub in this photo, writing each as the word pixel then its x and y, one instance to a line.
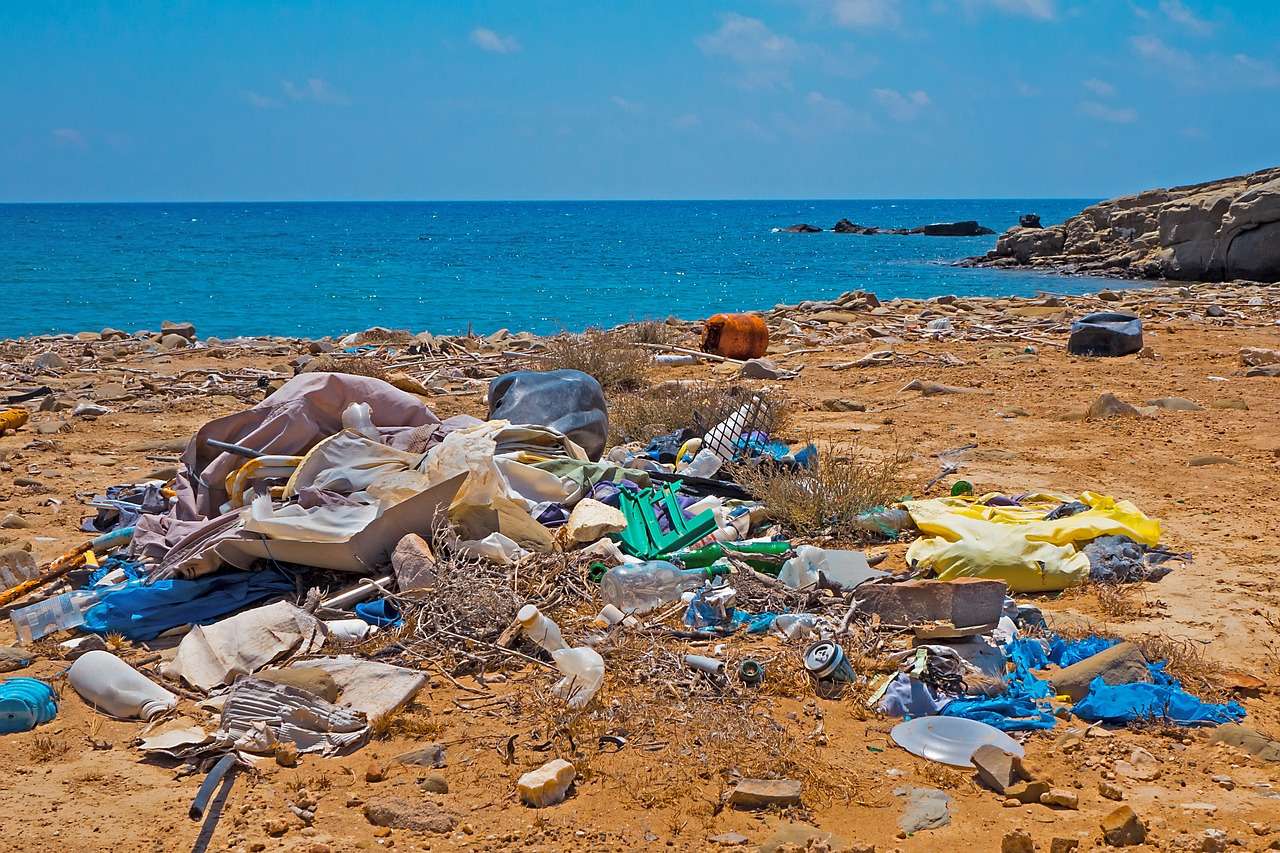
pixel 649 332
pixel 357 365
pixel 615 362
pixel 677 405
pixel 1185 660
pixel 826 501
pixel 45 748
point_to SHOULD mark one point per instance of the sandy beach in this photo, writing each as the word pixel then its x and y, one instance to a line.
pixel 1208 475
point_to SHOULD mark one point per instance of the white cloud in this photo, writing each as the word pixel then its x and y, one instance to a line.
pixel 1153 49
pixel 1042 10
pixel 1177 11
pixel 261 101
pixel 1260 72
pixel 1114 115
pixel 69 137
pixel 315 90
pixel 1101 88
pixel 493 42
pixel 747 41
pixel 902 106
pixel 866 14
pixel 626 105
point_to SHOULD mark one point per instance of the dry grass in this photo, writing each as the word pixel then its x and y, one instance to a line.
pixel 848 481
pixel 649 332
pixel 410 723
pixel 1186 661
pixel 117 643
pixel 613 359
pixel 672 406
pixel 46 748
pixel 353 365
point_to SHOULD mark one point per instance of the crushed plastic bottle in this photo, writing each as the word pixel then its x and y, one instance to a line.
pixel 641 587
pixel 583 670
pixel 704 465
pixel 886 522
pixel 541 629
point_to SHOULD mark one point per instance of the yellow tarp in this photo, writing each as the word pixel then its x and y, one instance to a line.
pixel 1015 544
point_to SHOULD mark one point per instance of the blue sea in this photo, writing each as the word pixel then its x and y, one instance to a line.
pixel 322 268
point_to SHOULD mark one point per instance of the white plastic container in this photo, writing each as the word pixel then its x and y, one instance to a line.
pixel 111 685
pixel 583 670
pixel 846 568
pixel 796 626
pixel 610 616
pixel 541 629
pixel 358 417
pixel 349 630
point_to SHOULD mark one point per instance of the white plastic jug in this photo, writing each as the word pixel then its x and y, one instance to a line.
pixel 583 670
pixel 110 684
pixel 349 630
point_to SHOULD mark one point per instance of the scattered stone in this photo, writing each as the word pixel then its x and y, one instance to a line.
pixel 1213 841
pixel 1224 782
pixel 1017 841
pixel 547 785
pixel 1106 295
pixel 1257 356
pixel 1122 828
pixel 431 755
pixel 1123 663
pixel 53 403
pixel 765 793
pixel 1175 404
pixel 110 334
pixel 1210 459
pixel 837 404
pixel 802 836
pixel 52 427
pixel 592 520
pixel 1110 790
pixel 186 330
pixel 275 827
pixel 48 361
pixel 374 772
pixel 729 839
pixel 421 816
pixel 932 389
pixel 1215 311
pixel 997 769
pixel 1209 809
pixel 414 562
pixel 1064 845
pixel 763 368
pixel 1149 353
pixel 1061 798
pixel 433 784
pixel 1108 405
pixel 1242 737
pixel 1141 765
pixel 1028 793
pixel 286 753
pixel 927 808
pixel 174 342
pixel 12 658
pixel 13 521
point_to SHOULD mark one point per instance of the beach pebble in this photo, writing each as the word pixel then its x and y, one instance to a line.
pixel 109 334
pixel 186 330
pixel 48 361
pixel 174 341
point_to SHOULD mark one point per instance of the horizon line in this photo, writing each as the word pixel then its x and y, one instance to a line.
pixel 621 200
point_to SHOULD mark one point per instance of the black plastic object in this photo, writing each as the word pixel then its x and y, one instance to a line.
pixel 567 400
pixel 1105 333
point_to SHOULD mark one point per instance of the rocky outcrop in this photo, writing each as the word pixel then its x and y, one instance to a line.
pixel 966 228
pixel 802 228
pixel 1216 231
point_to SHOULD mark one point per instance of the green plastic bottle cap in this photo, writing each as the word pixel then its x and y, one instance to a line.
pixel 961 487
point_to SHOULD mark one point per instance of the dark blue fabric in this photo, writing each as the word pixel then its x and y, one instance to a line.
pixel 142 612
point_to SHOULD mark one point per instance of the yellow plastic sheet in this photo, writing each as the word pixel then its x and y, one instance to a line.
pixel 967 538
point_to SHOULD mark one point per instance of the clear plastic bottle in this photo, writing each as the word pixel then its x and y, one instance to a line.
pixel 705 465
pixel 53 614
pixel 583 671
pixel 541 629
pixel 641 587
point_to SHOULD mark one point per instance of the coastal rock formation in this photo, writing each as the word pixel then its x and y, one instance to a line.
pixel 966 228
pixel 802 228
pixel 1216 231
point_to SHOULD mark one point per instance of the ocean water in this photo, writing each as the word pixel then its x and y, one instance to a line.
pixel 324 268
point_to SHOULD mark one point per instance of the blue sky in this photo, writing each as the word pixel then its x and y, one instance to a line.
pixel 648 99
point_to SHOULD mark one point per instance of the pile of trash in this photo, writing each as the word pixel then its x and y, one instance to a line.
pixel 318 551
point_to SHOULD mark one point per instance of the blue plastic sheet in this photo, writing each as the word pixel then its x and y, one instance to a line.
pixel 1163 700
pixel 1008 712
pixel 142 612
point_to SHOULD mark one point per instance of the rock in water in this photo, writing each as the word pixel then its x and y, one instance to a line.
pixel 967 228
pixel 1215 231
pixel 801 228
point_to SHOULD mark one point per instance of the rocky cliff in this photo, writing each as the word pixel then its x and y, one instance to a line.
pixel 1216 231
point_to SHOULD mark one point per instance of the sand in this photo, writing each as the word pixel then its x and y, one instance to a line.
pixel 76 784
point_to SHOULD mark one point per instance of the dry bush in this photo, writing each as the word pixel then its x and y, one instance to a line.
pixel 615 362
pixel 1186 661
pixel 406 722
pixel 358 365
pixel 649 332
pixel 676 405
pixel 826 501
pixel 46 748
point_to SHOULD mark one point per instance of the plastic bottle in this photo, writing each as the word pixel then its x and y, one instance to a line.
pixel 583 670
pixel 641 587
pixel 705 464
pixel 886 522
pixel 349 630
pixel 723 437
pixel 359 417
pixel 53 614
pixel 846 568
pixel 110 684
pixel 610 616
pixel 540 629
pixel 796 625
